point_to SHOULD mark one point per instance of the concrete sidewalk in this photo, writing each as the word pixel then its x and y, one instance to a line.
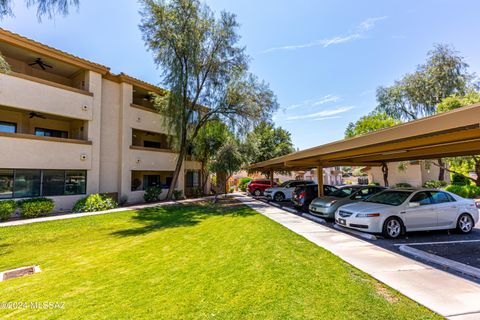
pixel 441 292
pixel 86 214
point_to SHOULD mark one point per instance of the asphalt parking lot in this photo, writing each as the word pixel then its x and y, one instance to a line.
pixel 447 244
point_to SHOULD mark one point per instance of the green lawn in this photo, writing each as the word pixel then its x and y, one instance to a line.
pixel 187 262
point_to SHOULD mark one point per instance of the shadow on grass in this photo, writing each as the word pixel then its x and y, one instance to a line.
pixel 183 215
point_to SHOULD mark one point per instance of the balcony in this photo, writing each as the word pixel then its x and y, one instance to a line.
pixel 33 152
pixel 30 93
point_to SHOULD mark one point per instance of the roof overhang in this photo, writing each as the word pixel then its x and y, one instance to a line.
pixel 23 42
pixel 453 133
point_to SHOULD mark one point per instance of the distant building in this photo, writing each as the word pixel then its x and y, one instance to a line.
pixel 415 174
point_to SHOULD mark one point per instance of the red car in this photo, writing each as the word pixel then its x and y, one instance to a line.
pixel 258 186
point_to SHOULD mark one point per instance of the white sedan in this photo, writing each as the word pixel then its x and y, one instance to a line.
pixel 284 191
pixel 392 212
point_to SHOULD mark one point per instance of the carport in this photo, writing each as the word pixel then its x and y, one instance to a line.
pixel 449 134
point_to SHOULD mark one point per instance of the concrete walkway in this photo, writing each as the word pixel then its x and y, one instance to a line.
pixel 441 292
pixel 86 214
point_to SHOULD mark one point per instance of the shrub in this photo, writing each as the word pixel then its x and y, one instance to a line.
pixel 435 184
pixel 152 194
pixel 243 184
pixel 94 202
pixel 198 192
pixel 36 207
pixel 232 189
pixel 372 184
pixel 464 191
pixel 7 208
pixel 460 180
pixel 403 185
pixel 177 194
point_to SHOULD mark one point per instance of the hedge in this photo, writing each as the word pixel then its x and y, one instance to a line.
pixel 36 207
pixel 7 208
pixel 94 202
pixel 469 191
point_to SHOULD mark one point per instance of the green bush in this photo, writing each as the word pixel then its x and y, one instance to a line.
pixel 7 208
pixel 232 189
pixel 435 184
pixel 370 184
pixel 177 194
pixel 403 185
pixel 152 194
pixel 469 191
pixel 243 184
pixel 36 207
pixel 460 180
pixel 94 202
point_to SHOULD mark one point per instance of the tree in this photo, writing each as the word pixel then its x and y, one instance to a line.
pixel 266 142
pixel 416 95
pixel 202 65
pixel 209 140
pixel 372 122
pixel 44 7
pixel 227 161
pixel 461 165
pixel 445 73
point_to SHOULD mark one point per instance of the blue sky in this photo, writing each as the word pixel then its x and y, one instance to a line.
pixel 323 59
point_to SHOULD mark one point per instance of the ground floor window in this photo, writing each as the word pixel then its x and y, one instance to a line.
pixel 25 183
pixel 142 180
pixel 193 179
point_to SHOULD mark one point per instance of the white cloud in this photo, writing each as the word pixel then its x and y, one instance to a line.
pixel 358 33
pixel 326 118
pixel 314 102
pixel 321 114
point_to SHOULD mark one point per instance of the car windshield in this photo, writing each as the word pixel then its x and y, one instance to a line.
pixel 343 192
pixel 283 185
pixel 393 198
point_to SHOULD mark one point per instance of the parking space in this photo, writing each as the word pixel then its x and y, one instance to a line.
pixel 447 244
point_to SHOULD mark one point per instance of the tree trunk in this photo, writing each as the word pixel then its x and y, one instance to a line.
pixel 441 172
pixel 477 171
pixel 178 167
pixel 385 174
pixel 270 174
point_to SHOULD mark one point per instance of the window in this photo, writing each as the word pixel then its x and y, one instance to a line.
pixel 42 132
pixel 151 181
pixel 440 197
pixel 422 197
pixel 8 127
pixel 193 179
pixel 53 183
pixel 26 183
pixel 75 182
pixel 6 184
pixel 152 144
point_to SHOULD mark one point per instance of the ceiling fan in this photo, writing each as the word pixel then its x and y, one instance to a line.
pixel 38 115
pixel 40 63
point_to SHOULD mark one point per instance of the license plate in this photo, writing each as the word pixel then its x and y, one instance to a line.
pixel 342 222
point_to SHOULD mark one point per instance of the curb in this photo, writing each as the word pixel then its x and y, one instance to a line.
pixel 444 262
pixel 314 218
pixel 364 235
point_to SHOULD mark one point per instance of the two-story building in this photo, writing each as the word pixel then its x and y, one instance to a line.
pixel 69 127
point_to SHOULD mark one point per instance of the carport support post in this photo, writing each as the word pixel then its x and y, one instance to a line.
pixel 320 180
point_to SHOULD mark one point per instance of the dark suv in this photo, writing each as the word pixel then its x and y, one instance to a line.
pixel 304 194
pixel 258 186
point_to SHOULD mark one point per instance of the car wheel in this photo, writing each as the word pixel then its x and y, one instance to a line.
pixel 392 228
pixel 257 193
pixel 465 223
pixel 279 197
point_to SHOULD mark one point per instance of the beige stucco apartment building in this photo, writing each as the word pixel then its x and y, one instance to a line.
pixel 69 127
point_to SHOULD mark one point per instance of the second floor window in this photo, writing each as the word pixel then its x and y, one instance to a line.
pixel 42 132
pixel 8 127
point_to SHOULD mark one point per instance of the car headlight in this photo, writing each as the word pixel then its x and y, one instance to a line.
pixel 331 203
pixel 367 215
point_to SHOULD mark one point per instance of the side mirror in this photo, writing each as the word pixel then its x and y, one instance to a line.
pixel 414 204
